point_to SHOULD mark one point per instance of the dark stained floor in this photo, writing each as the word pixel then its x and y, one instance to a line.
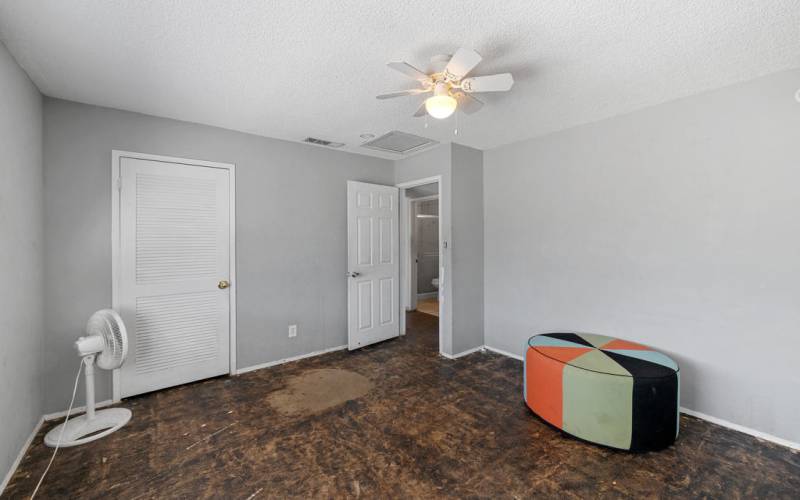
pixel 429 427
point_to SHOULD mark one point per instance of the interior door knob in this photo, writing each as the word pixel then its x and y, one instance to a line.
pixel 222 285
pixel 353 274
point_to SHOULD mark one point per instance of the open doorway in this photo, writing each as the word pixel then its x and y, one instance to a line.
pixel 424 253
pixel 421 262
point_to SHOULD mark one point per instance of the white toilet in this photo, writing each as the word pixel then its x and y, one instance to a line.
pixel 435 283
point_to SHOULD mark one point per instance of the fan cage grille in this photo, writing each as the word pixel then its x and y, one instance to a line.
pixel 108 325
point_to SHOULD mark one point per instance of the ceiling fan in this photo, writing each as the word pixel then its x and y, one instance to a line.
pixel 449 86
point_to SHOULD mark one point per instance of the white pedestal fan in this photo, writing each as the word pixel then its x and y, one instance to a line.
pixel 106 344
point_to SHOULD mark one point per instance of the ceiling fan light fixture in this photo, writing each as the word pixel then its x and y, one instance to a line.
pixel 440 106
pixel 450 86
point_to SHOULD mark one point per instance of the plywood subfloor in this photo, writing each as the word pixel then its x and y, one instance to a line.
pixel 423 427
pixel 429 306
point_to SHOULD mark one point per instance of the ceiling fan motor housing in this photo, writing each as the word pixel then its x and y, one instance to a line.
pixel 441 88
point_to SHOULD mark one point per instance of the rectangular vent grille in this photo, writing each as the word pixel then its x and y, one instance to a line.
pixel 323 142
pixel 399 143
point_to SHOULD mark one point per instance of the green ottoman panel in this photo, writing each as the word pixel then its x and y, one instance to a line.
pixel 604 390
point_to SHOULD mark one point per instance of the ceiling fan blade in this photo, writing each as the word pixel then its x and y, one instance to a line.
pixel 462 62
pixel 467 103
pixel 409 70
pixel 490 83
pixel 421 111
pixel 401 93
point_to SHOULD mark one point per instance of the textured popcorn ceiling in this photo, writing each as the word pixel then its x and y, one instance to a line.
pixel 290 69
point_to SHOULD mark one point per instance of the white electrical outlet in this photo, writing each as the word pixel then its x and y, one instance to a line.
pixel 292 331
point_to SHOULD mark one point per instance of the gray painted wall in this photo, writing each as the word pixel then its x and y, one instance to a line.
pixel 290 230
pixel 462 228
pixel 21 235
pixel 467 248
pixel 675 226
pixel 430 163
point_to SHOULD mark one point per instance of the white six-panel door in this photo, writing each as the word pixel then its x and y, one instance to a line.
pixel 373 268
pixel 173 266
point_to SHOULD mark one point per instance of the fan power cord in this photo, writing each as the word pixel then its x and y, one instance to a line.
pixel 61 434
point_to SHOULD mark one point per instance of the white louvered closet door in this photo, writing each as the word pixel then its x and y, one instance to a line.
pixel 174 252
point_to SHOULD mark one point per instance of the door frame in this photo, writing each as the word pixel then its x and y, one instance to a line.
pixel 406 266
pixel 116 157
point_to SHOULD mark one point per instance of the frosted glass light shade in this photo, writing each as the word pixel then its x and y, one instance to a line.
pixel 440 106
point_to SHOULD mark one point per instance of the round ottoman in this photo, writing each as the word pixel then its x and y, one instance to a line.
pixel 603 390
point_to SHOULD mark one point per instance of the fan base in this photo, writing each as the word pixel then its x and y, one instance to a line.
pixel 80 430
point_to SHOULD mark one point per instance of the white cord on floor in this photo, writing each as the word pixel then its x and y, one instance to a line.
pixel 61 434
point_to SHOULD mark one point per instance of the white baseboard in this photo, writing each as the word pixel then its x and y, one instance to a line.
pixel 289 360
pixel 741 428
pixel 504 353
pixel 702 416
pixel 715 420
pixel 44 418
pixel 21 455
pixel 463 353
pixel 75 411
pixel 427 295
pixel 82 409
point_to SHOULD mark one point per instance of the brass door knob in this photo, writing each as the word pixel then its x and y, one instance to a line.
pixel 222 285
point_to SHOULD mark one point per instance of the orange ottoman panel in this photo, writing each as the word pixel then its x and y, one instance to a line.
pixel 604 390
pixel 544 396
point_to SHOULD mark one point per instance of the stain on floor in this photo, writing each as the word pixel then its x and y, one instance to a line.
pixel 317 390
pixel 429 428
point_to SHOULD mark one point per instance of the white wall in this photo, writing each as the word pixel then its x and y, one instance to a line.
pixel 21 229
pixel 290 230
pixel 675 226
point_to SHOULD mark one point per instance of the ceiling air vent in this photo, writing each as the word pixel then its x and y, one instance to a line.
pixel 399 143
pixel 323 142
